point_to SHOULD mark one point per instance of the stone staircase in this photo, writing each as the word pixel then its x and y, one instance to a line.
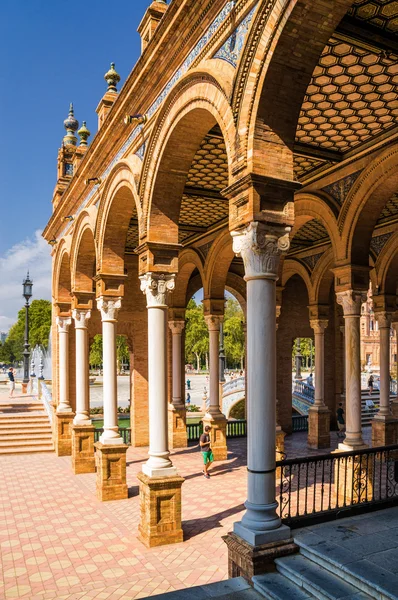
pixel 325 571
pixel 24 427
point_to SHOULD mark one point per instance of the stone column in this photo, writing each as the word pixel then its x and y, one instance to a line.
pixel 342 330
pixel 319 414
pixel 214 417
pixel 177 411
pixel 351 301
pixel 83 429
pixel 384 425
pixel 260 247
pixel 160 486
pixel 111 451
pixel 64 413
pixel 394 403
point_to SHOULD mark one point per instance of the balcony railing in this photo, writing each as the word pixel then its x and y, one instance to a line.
pixel 124 432
pixel 300 423
pixel 304 390
pixel 235 429
pixel 331 486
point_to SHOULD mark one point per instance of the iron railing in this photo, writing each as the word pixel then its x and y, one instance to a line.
pixel 125 432
pixel 332 486
pixel 235 429
pixel 300 423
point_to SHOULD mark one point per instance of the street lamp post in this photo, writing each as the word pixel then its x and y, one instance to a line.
pixel 27 293
pixel 298 357
pixel 221 354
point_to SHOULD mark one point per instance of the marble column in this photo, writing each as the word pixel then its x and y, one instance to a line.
pixel 160 485
pixel 342 331
pixel 384 425
pixel 64 413
pixel 177 411
pixel 260 247
pixel 319 414
pixel 214 418
pixel 109 308
pixel 83 460
pixel 351 301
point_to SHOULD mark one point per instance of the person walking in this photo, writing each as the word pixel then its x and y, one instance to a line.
pixel 11 378
pixel 188 399
pixel 207 454
pixel 370 385
pixel 340 421
pixel 188 384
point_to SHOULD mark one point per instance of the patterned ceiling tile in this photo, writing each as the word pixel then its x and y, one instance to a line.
pixel 304 165
pixel 379 13
pixel 339 189
pixel 351 98
pixel 309 234
pixel 390 211
pixel 209 167
pixel 379 241
pixel 202 212
pixel 132 236
pixel 312 260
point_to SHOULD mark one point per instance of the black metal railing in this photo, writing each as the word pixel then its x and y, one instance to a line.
pixel 331 486
pixel 235 429
pixel 300 423
pixel 124 432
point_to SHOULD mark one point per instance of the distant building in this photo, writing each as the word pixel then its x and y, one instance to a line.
pixel 370 339
pixel 3 336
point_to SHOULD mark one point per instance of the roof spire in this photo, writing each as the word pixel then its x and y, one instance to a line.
pixel 84 134
pixel 71 125
pixel 112 78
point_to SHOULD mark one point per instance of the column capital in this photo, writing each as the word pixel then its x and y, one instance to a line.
pixel 384 319
pixel 80 317
pixel 157 287
pixel 63 324
pixel 260 247
pixel 109 308
pixel 177 327
pixel 351 301
pixel 319 325
pixel 213 322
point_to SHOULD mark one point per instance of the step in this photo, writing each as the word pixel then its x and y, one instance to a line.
pixel 8 439
pixel 230 589
pixel 274 586
pixel 371 579
pixel 6 420
pixel 23 442
pixel 27 449
pixel 318 581
pixel 24 430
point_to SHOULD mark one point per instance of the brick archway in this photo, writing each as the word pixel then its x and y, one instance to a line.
pixel 62 280
pixel 217 266
pixel 189 261
pixel 293 267
pixel 83 256
pixel 386 268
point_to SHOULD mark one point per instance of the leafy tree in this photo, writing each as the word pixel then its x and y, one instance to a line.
pixel 196 333
pixel 95 356
pixel 39 327
pixel 234 337
pixel 10 352
pixel 307 350
pixel 122 349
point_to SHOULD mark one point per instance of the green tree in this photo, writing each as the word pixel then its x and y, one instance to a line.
pixel 95 357
pixel 196 333
pixel 122 351
pixel 39 327
pixel 10 352
pixel 234 337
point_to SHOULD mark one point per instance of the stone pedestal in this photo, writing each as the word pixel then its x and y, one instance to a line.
pixel 160 500
pixel 353 479
pixel 248 561
pixel 63 433
pixel 218 435
pixel 24 388
pixel 384 431
pixel 83 460
pixel 394 408
pixel 111 471
pixel 319 427
pixel 177 427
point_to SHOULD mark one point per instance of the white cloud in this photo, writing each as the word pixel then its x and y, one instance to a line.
pixel 32 254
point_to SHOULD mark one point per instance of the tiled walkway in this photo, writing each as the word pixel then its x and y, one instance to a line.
pixel 58 541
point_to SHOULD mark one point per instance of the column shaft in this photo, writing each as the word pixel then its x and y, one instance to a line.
pixel 319 368
pixel 63 368
pixel 213 324
pixel 82 369
pixel 384 320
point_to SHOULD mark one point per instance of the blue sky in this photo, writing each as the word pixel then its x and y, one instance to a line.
pixel 53 53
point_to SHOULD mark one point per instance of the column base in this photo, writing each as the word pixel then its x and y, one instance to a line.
pixel 245 560
pixel 63 433
pixel 111 472
pixel 160 500
pixel 319 427
pixel 177 427
pixel 218 435
pixel 353 479
pixel 24 388
pixel 384 431
pixel 83 460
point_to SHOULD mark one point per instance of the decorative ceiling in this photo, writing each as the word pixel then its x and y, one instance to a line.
pixel 310 234
pixel 390 211
pixel 379 13
pixel 209 169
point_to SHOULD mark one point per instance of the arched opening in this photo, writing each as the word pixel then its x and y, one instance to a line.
pixel 85 268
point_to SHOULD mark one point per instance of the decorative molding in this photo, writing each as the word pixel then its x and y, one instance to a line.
pixel 384 319
pixel 63 324
pixel 311 261
pixel 231 50
pixel 177 327
pixel 157 287
pixel 80 318
pixel 351 301
pixel 319 325
pixel 141 151
pixel 379 241
pixel 261 247
pixel 340 189
pixel 213 322
pixel 109 308
pixel 205 248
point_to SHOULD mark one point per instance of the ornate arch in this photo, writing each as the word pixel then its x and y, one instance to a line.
pixel 308 206
pixel 386 267
pixel 322 278
pixel 196 104
pixel 83 254
pixel 61 277
pixel 188 261
pixel 293 267
pixel 217 266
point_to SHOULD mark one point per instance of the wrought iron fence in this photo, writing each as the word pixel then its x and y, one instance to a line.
pixel 300 423
pixel 124 432
pixel 331 486
pixel 235 429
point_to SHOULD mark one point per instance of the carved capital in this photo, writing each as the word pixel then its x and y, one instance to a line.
pixel 213 322
pixel 319 325
pixel 157 288
pixel 63 324
pixel 384 319
pixel 260 247
pixel 351 301
pixel 81 317
pixel 109 308
pixel 177 327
